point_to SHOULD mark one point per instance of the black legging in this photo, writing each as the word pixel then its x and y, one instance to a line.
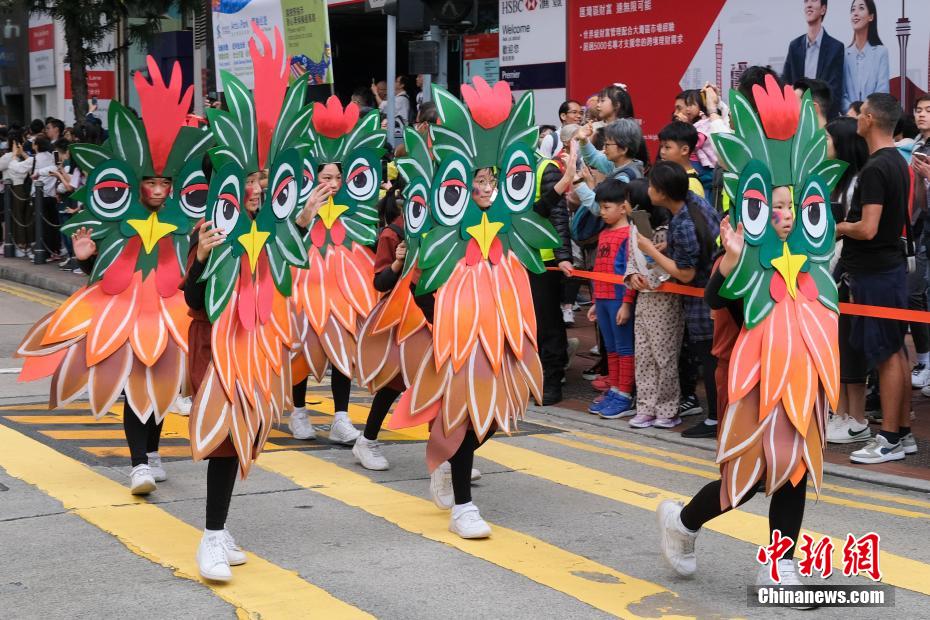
pixel 462 462
pixel 380 405
pixel 221 478
pixel 340 385
pixel 786 510
pixel 142 438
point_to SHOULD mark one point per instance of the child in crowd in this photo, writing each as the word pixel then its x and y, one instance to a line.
pixel 613 303
pixel 687 257
pixel 677 142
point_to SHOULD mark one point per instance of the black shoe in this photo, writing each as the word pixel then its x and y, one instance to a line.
pixel 552 396
pixel 594 372
pixel 690 405
pixel 700 431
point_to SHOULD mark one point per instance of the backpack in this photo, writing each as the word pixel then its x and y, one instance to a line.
pixel 585 226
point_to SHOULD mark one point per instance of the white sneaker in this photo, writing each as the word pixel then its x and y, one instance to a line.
pixel 878 450
pixel 368 453
pixel 677 542
pixel 476 475
pixel 212 560
pixel 909 444
pixel 20 253
pixel 466 521
pixel 300 425
pixel 342 430
pixel 925 391
pixel 141 481
pixel 568 315
pixel 182 405
pixel 846 429
pixel 595 350
pixel 156 468
pixel 787 574
pixel 440 486
pixel 234 553
pixel 920 376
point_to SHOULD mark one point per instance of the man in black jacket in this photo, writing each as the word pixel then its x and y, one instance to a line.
pixel 817 55
pixel 553 180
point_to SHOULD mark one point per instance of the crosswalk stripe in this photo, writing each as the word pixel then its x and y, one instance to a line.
pixel 260 588
pixel 897 570
pixel 592 583
pixel 684 458
pixel 715 473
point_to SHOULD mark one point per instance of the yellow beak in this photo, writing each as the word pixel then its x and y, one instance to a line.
pixel 150 230
pixel 789 266
pixel 484 232
pixel 330 211
pixel 253 242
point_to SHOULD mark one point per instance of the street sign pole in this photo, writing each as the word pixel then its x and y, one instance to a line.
pixel 391 76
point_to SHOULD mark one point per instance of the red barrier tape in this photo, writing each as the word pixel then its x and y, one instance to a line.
pixel 878 312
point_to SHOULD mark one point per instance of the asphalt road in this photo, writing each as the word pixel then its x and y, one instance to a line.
pixel 572 506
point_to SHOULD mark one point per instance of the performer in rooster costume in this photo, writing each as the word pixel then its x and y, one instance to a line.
pixel 471 234
pixel 335 292
pixel 126 331
pixel 238 283
pixel 774 281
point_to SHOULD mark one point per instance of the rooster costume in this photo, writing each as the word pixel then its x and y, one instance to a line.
pixel 126 330
pixel 473 369
pixel 784 366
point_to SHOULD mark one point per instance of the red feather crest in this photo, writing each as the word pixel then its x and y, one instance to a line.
pixel 778 110
pixel 331 120
pixel 488 106
pixel 270 67
pixel 164 110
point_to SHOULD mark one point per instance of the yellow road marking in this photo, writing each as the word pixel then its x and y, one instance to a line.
pixel 684 469
pixel 154 534
pixel 710 464
pixel 610 590
pixel 123 451
pixel 34 297
pixel 41 420
pixel 898 571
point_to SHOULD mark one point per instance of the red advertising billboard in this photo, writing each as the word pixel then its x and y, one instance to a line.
pixel 658 48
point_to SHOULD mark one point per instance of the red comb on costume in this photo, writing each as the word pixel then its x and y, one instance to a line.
pixel 332 120
pixel 488 106
pixel 778 110
pixel 164 110
pixel 270 67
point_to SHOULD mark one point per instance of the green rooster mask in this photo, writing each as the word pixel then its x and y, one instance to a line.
pixel 780 145
pixel 486 131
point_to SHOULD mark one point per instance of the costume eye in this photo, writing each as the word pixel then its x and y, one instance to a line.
pixel 226 209
pixel 451 195
pixel 361 182
pixel 415 211
pixel 111 193
pixel 284 194
pixel 518 182
pixel 754 212
pixel 309 179
pixel 194 195
pixel 814 217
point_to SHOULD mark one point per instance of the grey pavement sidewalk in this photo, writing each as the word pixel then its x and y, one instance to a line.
pixel 48 277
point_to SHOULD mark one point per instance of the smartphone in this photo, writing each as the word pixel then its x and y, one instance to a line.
pixel 641 221
pixel 94 101
pixel 57 158
pixel 922 156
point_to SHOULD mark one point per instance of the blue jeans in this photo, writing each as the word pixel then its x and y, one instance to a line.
pixel 617 338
